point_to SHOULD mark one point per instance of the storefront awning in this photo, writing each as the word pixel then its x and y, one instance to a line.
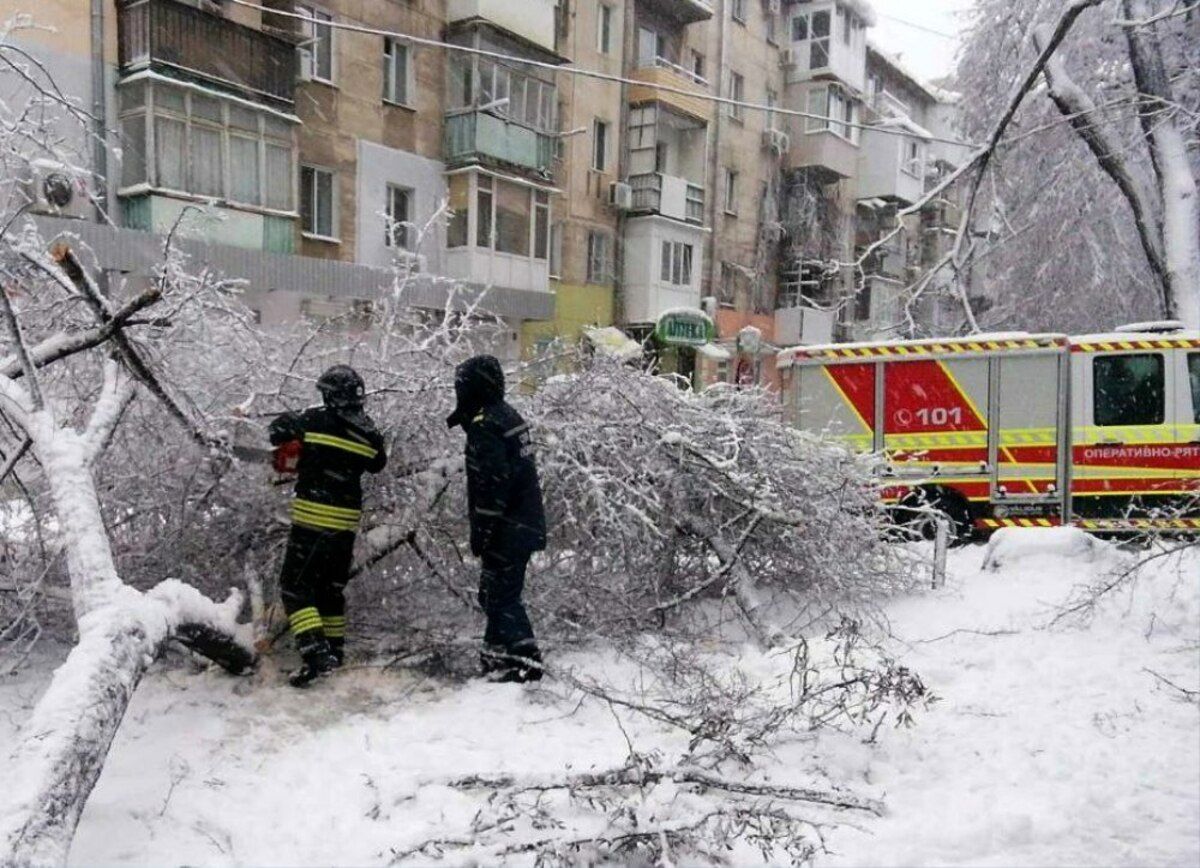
pixel 611 341
pixel 715 352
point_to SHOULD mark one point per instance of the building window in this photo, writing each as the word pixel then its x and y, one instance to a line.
pixel 506 92
pixel 600 145
pixel 772 36
pixel 834 110
pixel 317 202
pixel 484 206
pixel 812 30
pixel 737 92
pixel 556 249
pixel 599 258
pixel 396 71
pixel 399 218
pixel 316 53
pixel 459 199
pixel 1129 389
pixel 203 146
pixel 541 224
pixel 737 9
pixel 772 102
pixel 731 178
pixel 604 29
pixel 727 291
pixel 862 303
pixel 914 160
pixel 1194 376
pixel 676 265
pixel 847 20
pixel 698 65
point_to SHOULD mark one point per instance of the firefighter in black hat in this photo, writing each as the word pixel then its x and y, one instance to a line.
pixel 336 444
pixel 507 520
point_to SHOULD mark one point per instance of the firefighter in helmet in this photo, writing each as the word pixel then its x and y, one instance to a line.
pixel 507 521
pixel 336 444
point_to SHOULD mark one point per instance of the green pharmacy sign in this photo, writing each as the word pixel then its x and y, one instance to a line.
pixel 685 328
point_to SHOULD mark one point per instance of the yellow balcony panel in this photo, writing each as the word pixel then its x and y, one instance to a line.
pixel 650 89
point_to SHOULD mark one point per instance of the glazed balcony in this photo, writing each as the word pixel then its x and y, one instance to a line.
pixel 173 36
pixel 654 73
pixel 481 137
pixel 668 196
pixel 532 20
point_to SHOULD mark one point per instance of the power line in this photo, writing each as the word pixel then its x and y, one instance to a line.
pixel 591 73
pixel 920 27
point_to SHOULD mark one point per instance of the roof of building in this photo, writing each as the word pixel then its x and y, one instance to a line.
pixel 935 93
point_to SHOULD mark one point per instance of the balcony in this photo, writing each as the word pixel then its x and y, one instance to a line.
pixel 660 268
pixel 677 198
pixel 532 20
pixel 891 167
pixel 475 136
pixel 803 325
pixel 657 72
pixel 688 11
pixel 830 155
pixel 167 34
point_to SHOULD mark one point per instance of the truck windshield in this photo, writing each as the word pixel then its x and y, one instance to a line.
pixel 1130 389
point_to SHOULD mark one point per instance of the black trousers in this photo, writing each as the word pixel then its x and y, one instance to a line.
pixel 316 569
pixel 501 582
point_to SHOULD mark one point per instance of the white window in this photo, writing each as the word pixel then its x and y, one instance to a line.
pixel 697 64
pixel 738 10
pixel 772 102
pixel 399 230
pixel 207 147
pixel 600 145
pixel 541 224
pixel 676 265
pixel 604 29
pixel 914 158
pixel 317 203
pixel 316 52
pixel 556 249
pixel 812 30
pixel 599 258
pixel 737 91
pixel 835 111
pixel 652 45
pixel 396 72
pixel 731 178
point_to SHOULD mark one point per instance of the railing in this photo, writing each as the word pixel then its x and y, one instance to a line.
pixel 170 33
pixel 664 63
pixel 648 196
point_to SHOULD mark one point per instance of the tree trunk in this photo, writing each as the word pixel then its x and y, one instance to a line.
pixel 1168 150
pixel 60 752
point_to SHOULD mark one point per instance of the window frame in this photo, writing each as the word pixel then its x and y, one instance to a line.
pixel 314 234
pixel 605 16
pixel 737 92
pixel 390 96
pixel 677 264
pixel 737 11
pixel 599 258
pixel 1192 365
pixel 315 19
pixel 730 192
pixel 1106 359
pixel 398 229
pixel 601 130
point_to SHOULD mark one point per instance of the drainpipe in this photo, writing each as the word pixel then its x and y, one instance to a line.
pixel 714 155
pixel 100 114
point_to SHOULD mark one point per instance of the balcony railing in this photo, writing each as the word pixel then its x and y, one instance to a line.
pixel 472 135
pixel 209 46
pixel 669 196
pixel 664 63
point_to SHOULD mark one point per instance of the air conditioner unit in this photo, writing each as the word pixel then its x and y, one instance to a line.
pixel 777 141
pixel 620 195
pixel 304 61
pixel 709 305
pixel 56 189
pixel 787 57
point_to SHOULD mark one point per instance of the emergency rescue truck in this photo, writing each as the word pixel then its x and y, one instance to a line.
pixel 1029 430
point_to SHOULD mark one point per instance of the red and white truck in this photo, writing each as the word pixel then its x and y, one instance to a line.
pixel 1100 432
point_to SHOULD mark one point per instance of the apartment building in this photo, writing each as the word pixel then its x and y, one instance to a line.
pixel 329 159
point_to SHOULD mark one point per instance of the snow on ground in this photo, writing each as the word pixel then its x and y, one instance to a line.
pixel 1051 746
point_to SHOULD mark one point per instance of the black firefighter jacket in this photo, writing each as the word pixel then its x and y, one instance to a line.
pixel 338 447
pixel 503 494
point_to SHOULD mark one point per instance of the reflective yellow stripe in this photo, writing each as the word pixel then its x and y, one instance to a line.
pixel 1124 434
pixel 335 626
pixel 304 620
pixel 340 443
pixel 327 509
pixel 1137 523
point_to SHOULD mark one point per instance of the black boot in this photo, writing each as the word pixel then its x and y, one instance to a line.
pixel 524 664
pixel 337 647
pixel 318 661
pixel 492 660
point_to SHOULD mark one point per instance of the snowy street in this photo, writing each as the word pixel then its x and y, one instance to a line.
pixel 1049 746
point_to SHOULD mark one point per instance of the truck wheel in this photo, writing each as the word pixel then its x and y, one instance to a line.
pixel 949 503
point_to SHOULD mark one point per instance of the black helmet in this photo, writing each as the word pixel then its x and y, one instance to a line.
pixel 341 386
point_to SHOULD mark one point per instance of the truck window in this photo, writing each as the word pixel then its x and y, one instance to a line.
pixel 1129 389
pixel 1194 375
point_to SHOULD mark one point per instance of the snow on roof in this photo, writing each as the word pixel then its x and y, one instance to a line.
pixel 611 341
pixel 905 123
pixel 899 66
pixel 863 9
pixel 1118 337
